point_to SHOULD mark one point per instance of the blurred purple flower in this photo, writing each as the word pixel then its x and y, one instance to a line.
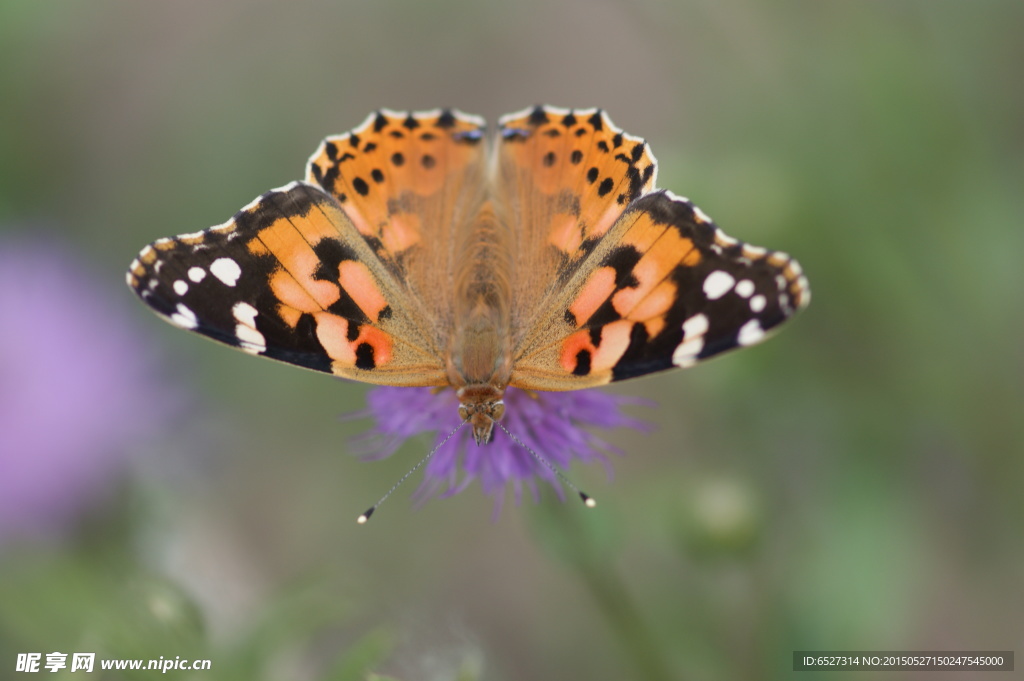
pixel 76 388
pixel 549 423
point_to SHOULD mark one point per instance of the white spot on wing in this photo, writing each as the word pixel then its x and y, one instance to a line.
pixel 750 333
pixel 686 354
pixel 717 284
pixel 250 339
pixel 244 313
pixel 196 274
pixel 227 270
pixel 694 328
pixel 697 325
pixel 757 303
pixel 184 317
pixel 700 215
pixel 180 287
pixel 744 288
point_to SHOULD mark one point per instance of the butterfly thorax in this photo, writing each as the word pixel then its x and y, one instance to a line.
pixel 479 361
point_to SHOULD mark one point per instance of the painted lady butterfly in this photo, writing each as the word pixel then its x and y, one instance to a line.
pixel 418 252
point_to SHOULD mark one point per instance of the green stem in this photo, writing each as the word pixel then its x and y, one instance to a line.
pixel 622 615
pixel 612 596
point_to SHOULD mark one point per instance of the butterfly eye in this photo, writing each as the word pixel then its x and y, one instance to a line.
pixel 498 410
pixel 464 412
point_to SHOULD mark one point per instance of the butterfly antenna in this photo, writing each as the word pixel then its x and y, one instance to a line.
pixel 366 516
pixel 588 500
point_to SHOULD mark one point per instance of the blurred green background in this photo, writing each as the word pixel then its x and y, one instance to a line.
pixel 854 483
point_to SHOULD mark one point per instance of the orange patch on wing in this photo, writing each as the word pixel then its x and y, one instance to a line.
pixel 692 258
pixel 289 315
pixel 654 326
pixel 332 332
pixel 382 344
pixel 293 294
pixel 359 284
pixel 605 221
pixel 599 286
pixel 613 344
pixel 317 224
pixel 654 266
pixel 401 232
pixel 298 258
pixel 257 247
pixel 656 304
pixel 643 232
pixel 564 232
pixel 572 346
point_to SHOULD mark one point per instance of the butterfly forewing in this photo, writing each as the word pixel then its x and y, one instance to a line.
pixel 289 278
pixel 642 280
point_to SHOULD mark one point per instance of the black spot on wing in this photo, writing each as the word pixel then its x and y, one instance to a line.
pixel 446 120
pixel 583 362
pixel 297 346
pixel 643 355
pixel 364 357
pixel 623 260
pixel 538 116
pixel 331 253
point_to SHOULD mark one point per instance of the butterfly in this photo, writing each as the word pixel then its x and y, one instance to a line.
pixel 420 251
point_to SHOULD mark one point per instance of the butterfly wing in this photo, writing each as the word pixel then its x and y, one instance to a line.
pixel 641 280
pixel 317 273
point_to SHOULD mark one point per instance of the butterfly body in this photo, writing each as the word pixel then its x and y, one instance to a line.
pixel 417 252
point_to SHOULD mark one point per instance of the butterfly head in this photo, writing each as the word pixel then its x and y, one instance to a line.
pixel 481 406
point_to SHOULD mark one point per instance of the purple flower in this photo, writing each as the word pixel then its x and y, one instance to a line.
pixel 76 390
pixel 549 423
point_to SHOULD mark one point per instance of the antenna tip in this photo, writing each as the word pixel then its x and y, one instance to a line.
pixel 366 516
pixel 588 501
